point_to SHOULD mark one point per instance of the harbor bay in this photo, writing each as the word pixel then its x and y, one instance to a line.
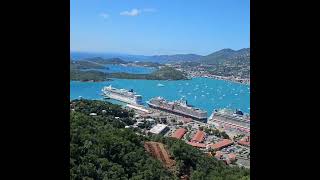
pixel 203 93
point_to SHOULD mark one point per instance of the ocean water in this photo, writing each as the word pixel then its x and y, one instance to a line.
pixel 204 93
pixel 112 68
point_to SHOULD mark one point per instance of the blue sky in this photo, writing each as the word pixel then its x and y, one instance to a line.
pixel 154 27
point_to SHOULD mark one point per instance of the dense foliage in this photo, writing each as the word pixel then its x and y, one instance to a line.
pixel 85 65
pixel 107 61
pixel 148 64
pixel 227 56
pixel 102 149
pixel 197 165
pixel 168 73
pixel 78 75
pixel 165 73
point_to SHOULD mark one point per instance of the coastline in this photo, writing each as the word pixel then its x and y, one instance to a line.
pixel 230 79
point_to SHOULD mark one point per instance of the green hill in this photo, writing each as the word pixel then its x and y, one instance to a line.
pixel 168 73
pixel 227 56
pixel 85 65
pixel 101 148
pixel 96 76
pixel 106 61
pixel 164 73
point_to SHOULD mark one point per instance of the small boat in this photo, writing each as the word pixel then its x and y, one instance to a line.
pixel 160 85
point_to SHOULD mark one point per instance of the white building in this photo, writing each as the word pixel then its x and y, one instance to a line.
pixel 158 129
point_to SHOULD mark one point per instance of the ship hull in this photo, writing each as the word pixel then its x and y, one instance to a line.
pixel 234 122
pixel 202 119
pixel 122 99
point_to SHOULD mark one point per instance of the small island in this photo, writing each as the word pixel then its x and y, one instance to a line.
pixel 85 76
pixel 164 73
pixel 83 65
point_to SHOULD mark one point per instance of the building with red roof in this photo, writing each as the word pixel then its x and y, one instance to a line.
pixel 245 141
pixel 221 144
pixel 232 157
pixel 198 137
pixel 218 155
pixel 197 145
pixel 179 133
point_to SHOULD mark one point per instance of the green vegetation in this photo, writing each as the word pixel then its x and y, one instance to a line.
pixel 165 73
pixel 216 132
pixel 78 75
pixel 168 73
pixel 106 61
pixel 194 163
pixel 148 64
pixel 175 58
pixel 101 148
pixel 226 56
pixel 81 65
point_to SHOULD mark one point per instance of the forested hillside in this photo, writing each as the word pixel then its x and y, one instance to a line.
pixel 101 148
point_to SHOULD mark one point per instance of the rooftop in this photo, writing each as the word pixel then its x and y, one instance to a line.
pixel 179 133
pixel 245 141
pixel 221 144
pixel 198 145
pixel 198 137
pixel 158 128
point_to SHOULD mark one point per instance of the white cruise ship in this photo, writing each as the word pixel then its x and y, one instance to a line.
pixel 127 96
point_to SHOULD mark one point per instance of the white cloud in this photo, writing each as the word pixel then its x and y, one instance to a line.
pixel 104 15
pixel 137 12
pixel 133 12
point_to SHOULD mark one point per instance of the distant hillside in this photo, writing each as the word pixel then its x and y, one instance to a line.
pixel 100 60
pixel 168 73
pixel 175 58
pixel 85 65
pixel 226 56
pixel 217 57
pixel 127 57
pixel 165 73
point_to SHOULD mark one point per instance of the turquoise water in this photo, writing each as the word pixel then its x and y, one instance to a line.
pixel 207 94
pixel 112 68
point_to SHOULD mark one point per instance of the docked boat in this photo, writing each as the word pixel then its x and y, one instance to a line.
pixel 180 107
pixel 236 119
pixel 123 95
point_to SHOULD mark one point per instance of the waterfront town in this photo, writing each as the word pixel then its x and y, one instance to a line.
pixel 227 142
pixel 234 73
pixel 239 73
pixel 223 138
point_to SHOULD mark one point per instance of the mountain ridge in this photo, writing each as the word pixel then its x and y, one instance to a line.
pixel 215 57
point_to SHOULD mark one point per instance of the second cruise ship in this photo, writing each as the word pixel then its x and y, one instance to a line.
pixel 179 107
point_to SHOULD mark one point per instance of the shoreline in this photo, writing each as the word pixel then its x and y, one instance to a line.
pixel 223 78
